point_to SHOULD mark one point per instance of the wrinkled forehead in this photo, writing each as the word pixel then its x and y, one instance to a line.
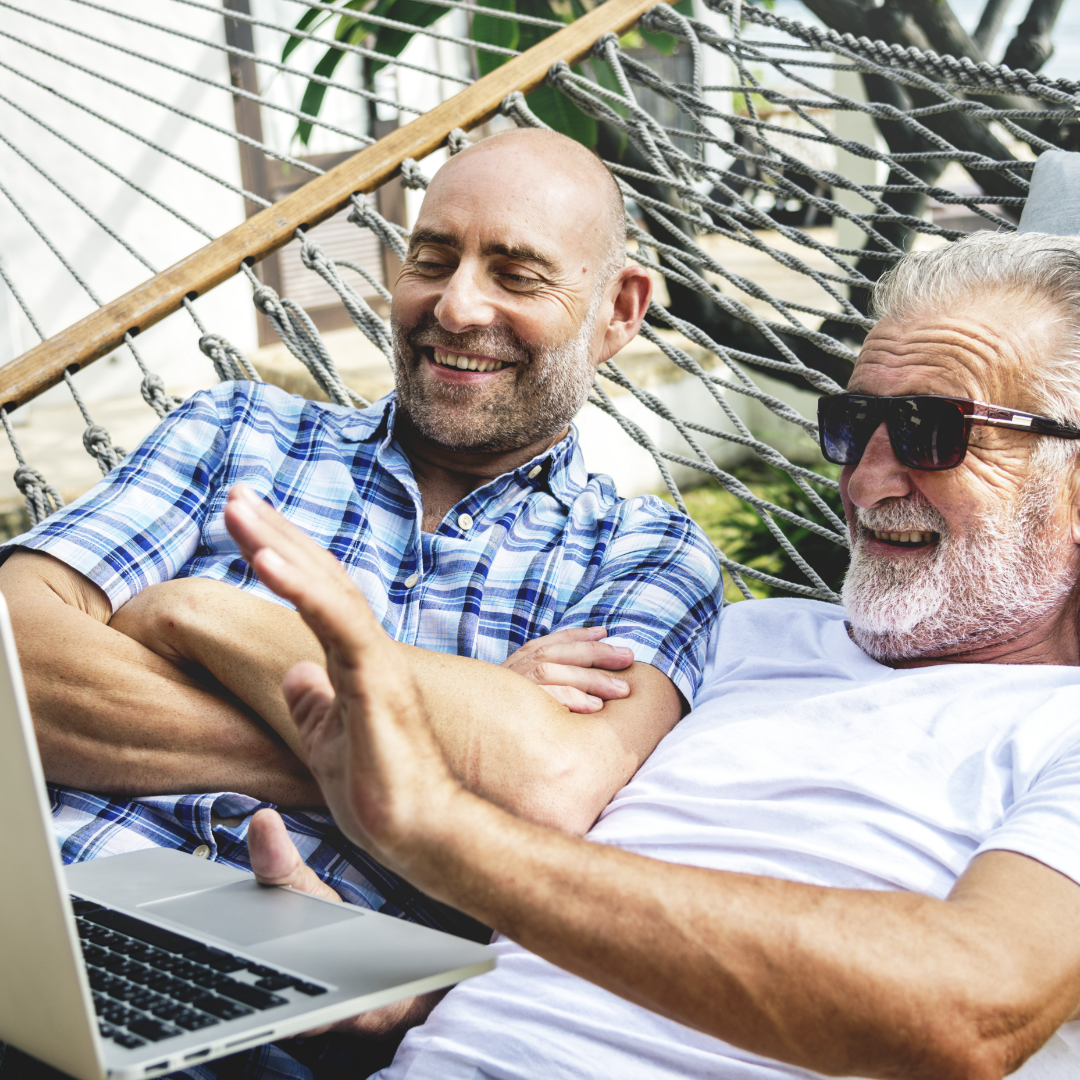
pixel 987 348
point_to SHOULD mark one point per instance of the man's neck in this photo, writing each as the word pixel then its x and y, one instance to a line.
pixel 1052 640
pixel 446 476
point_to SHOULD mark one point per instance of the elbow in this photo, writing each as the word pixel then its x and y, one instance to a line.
pixel 967 1057
pixel 565 793
pixel 984 1041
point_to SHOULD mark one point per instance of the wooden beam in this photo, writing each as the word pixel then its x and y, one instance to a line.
pixel 100 333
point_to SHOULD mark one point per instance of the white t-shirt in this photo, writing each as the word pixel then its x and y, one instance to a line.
pixel 803 759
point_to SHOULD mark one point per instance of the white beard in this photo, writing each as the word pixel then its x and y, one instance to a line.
pixel 960 593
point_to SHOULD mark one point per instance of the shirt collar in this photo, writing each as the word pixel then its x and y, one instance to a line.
pixel 562 467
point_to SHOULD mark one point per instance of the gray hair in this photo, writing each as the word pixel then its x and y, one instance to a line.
pixel 1044 268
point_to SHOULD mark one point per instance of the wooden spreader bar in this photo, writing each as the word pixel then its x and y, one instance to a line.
pixel 100 333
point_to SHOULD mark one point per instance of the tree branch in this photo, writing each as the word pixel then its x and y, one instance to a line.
pixel 840 13
pixel 990 24
pixel 942 28
pixel 1034 44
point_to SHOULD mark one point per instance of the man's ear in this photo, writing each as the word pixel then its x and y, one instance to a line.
pixel 1072 494
pixel 629 294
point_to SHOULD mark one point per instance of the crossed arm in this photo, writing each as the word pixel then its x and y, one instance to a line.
pixel 839 981
pixel 180 690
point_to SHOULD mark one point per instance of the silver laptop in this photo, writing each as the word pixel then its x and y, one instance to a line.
pixel 147 962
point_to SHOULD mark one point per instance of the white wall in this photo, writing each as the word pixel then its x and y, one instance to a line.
pixel 50 291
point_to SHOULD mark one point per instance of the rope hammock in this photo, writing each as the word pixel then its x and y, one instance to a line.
pixel 774 130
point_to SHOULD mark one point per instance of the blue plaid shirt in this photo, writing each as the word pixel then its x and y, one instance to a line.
pixel 539 549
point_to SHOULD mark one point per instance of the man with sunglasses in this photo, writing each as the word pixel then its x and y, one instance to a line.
pixel 860 852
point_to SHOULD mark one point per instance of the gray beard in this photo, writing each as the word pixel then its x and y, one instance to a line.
pixel 964 592
pixel 549 385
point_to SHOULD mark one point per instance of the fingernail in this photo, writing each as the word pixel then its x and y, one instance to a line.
pixel 626 652
pixel 594 700
pixel 244 511
pixel 620 684
pixel 271 560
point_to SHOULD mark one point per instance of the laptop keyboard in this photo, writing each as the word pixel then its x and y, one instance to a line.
pixel 150 984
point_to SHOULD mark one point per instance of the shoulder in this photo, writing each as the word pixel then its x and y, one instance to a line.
pixel 767 635
pixel 259 403
pixel 248 419
pixel 790 615
pixel 642 519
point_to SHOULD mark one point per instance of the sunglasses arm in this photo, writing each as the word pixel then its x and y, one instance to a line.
pixel 995 416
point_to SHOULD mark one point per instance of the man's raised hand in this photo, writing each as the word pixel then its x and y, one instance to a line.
pixel 368 741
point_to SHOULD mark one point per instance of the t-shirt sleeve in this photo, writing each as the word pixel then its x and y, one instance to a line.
pixel 1044 821
pixel 657 592
pixel 143 521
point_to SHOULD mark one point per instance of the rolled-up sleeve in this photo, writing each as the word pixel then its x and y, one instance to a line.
pixel 143 521
pixel 657 592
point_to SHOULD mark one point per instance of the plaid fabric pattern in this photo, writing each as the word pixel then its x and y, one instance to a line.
pixel 548 547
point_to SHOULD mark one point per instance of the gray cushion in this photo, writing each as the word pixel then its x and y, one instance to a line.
pixel 1054 203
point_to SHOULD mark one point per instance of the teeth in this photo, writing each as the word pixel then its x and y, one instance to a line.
pixel 906 537
pixel 466 363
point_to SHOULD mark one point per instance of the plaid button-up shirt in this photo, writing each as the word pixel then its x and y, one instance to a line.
pixel 539 549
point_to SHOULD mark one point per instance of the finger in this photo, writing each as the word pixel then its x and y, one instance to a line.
pixel 573 633
pixel 298 570
pixel 574 700
pixel 257 526
pixel 587 680
pixel 275 860
pixel 585 654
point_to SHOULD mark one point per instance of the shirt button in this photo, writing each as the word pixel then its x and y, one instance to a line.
pixel 411 580
pixel 464 522
pixel 535 471
pixel 201 852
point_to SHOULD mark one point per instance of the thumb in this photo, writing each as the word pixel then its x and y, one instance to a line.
pixel 309 695
pixel 275 860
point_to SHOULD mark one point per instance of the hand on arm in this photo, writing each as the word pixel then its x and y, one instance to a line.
pixel 840 981
pixel 572 666
pixel 114 717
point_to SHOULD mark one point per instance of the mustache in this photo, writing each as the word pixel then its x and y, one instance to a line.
pixel 496 342
pixel 911 514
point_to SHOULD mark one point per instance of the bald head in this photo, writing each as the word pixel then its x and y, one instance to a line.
pixel 539 157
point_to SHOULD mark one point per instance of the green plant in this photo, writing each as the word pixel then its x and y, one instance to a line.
pixel 549 105
pixel 740 533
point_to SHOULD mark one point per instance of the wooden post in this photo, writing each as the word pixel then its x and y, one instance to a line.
pixel 247 114
pixel 100 333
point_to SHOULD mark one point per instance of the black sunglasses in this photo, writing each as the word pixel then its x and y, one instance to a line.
pixel 926 431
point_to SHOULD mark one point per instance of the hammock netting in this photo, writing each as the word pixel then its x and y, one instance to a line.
pixel 824 155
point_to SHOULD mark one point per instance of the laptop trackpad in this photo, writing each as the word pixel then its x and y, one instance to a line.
pixel 246 913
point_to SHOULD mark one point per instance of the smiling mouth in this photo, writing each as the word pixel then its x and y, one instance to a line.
pixel 466 363
pixel 906 539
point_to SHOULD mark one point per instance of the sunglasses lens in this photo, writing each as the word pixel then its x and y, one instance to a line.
pixel 845 424
pixel 928 432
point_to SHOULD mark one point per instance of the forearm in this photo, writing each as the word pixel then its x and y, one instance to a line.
pixel 502 735
pixel 838 981
pixel 113 717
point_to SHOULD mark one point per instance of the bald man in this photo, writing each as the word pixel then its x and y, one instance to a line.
pixel 557 631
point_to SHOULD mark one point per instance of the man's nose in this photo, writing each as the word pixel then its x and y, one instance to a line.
pixel 464 303
pixel 878 475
